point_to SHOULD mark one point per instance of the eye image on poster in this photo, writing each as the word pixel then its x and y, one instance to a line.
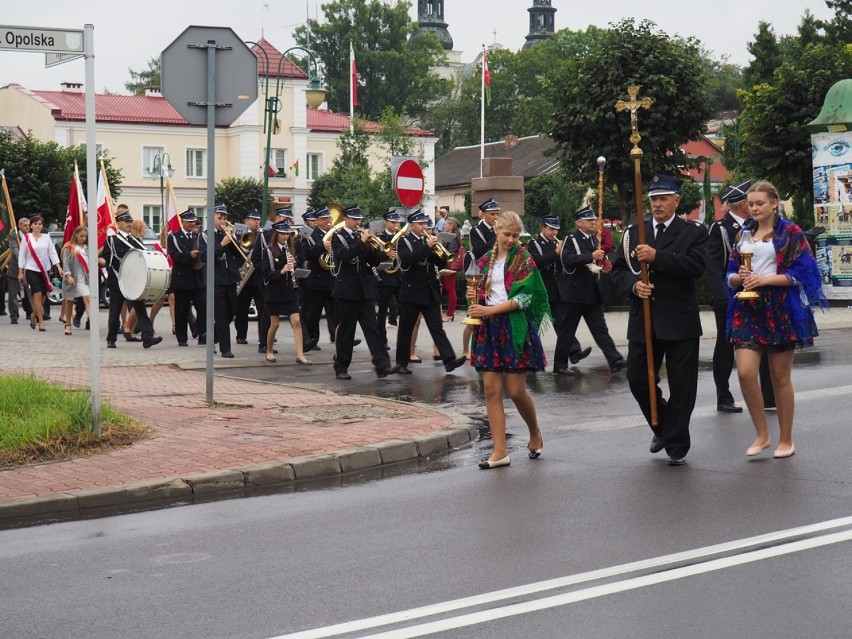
pixel 832 160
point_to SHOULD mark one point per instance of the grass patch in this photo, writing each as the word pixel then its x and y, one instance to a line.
pixel 40 421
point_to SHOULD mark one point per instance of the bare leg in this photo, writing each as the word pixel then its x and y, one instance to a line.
pixel 87 302
pixel 38 309
pixel 748 364
pixel 493 383
pixel 274 320
pixel 413 354
pixel 172 310
pixel 66 314
pixel 780 368
pixel 296 324
pixel 156 306
pixel 466 337
pixel 516 388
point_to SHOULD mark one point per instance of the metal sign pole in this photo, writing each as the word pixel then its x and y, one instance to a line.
pixel 211 204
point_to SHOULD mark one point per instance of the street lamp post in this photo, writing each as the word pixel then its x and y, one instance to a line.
pixel 314 96
pixel 162 167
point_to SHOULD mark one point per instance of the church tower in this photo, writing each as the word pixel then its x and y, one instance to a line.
pixel 430 17
pixel 541 22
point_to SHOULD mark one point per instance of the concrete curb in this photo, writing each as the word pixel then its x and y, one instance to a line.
pixel 151 494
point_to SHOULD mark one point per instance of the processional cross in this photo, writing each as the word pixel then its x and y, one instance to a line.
pixel 634 105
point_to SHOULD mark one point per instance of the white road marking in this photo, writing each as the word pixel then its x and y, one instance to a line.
pixel 779 537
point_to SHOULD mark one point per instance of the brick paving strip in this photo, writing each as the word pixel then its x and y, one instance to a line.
pixel 257 434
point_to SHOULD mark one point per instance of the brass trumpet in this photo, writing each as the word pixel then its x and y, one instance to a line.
pixel 326 260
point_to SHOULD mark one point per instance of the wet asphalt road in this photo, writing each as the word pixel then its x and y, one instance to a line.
pixel 439 531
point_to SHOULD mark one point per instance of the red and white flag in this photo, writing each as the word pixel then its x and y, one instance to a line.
pixel 172 221
pixel 353 72
pixel 76 206
pixel 106 219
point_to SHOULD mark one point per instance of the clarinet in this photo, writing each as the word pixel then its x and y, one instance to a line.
pixel 288 276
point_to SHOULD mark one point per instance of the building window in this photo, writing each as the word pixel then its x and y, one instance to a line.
pixel 152 216
pixel 151 161
pixel 196 161
pixel 278 162
pixel 314 166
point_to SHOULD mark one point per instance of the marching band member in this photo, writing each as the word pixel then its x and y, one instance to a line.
pixel 187 249
pixel 115 248
pixel 318 285
pixel 580 288
pixel 354 294
pixel 260 245
pixel 388 282
pixel 253 290
pixel 420 294
pixel 281 295
pixel 226 276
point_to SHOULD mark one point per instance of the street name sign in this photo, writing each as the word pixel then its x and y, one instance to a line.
pixel 41 39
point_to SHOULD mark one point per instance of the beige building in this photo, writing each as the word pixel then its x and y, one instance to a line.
pixel 145 133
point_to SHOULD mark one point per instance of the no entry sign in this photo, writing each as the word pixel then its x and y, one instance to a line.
pixel 408 182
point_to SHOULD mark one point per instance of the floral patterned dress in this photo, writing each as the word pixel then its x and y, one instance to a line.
pixel 504 344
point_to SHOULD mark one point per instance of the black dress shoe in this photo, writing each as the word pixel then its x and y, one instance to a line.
pixel 343 375
pixel 129 338
pixel 675 460
pixel 356 342
pixel 110 344
pixel 242 340
pixel 453 365
pixel 228 355
pixel 185 344
pixel 728 408
pixel 769 405
pixel 193 330
pixel 13 321
pixel 583 354
pixel 202 340
pixel 76 322
pixel 404 370
pixel 384 372
pixel 148 343
pixel 617 365
pixel 657 444
pixel 315 348
pixel 262 350
pixel 563 370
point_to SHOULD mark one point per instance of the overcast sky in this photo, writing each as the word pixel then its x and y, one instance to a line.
pixel 128 34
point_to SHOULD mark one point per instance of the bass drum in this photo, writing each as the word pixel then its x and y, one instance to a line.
pixel 144 275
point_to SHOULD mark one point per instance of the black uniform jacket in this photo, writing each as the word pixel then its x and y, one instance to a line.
pixel 680 259
pixel 353 263
pixel 543 253
pixel 183 275
pixel 279 286
pixel 319 279
pixel 578 285
pixel 723 235
pixel 228 262
pixel 385 279
pixel 420 284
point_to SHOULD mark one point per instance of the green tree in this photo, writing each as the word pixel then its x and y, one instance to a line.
pixel 585 90
pixel 726 80
pixel 393 66
pixel 839 29
pixel 690 197
pixel 140 80
pixel 39 175
pixel 552 194
pixel 766 56
pixel 240 195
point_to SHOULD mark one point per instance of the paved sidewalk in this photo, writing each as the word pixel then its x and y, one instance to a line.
pixel 257 434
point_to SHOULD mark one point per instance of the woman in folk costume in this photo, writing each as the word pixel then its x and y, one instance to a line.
pixel 75 283
pixel 780 319
pixel 513 304
pixel 36 257
pixel 281 296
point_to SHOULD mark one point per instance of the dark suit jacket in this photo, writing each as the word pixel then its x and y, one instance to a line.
pixel 420 284
pixel 353 261
pixel 681 255
pixel 482 239
pixel 578 285
pixel 543 253
pixel 319 279
pixel 226 270
pixel 393 279
pixel 184 277
pixel 279 286
pixel 723 235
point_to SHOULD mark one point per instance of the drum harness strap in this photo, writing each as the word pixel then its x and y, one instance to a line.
pixel 112 255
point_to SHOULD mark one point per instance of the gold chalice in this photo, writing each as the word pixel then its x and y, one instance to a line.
pixel 472 275
pixel 746 248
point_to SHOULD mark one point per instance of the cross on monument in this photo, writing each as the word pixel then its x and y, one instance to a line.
pixel 634 105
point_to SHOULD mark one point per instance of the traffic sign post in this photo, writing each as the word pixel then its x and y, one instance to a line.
pixel 408 181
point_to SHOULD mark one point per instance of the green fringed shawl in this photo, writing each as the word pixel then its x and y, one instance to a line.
pixel 525 286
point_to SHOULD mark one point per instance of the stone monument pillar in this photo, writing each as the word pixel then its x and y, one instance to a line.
pixel 498 182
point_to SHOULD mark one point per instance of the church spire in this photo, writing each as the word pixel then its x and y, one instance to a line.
pixel 541 22
pixel 430 18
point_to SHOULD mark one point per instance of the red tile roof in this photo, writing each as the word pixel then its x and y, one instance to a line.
pixel 288 69
pixel 337 123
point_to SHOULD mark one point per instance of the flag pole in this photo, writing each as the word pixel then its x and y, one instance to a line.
pixel 482 111
pixel 13 225
pixel 352 85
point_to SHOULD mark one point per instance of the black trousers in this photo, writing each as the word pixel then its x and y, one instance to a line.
pixel 184 298
pixel 14 289
pixel 387 297
pixel 312 307
pixel 350 313
pixel 723 362
pixel 567 344
pixel 673 415
pixel 594 316
pixel 244 299
pixel 116 300
pixel 224 309
pixel 432 318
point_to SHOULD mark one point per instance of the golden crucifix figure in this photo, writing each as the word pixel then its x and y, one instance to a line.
pixel 634 104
